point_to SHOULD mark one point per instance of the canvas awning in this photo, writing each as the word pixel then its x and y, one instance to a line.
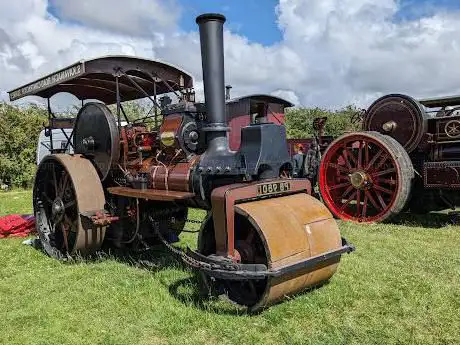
pixel 95 79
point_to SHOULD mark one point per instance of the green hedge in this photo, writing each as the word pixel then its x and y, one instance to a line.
pixel 299 121
pixel 19 131
pixel 21 126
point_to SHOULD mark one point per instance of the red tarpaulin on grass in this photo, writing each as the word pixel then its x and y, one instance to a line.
pixel 15 225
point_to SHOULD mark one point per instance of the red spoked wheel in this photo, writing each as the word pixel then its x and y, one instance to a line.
pixel 365 177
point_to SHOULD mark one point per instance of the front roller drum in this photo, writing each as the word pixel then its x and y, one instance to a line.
pixel 278 233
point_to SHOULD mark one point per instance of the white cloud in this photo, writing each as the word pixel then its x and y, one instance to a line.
pixel 333 52
pixel 288 95
pixel 134 17
pixel 354 50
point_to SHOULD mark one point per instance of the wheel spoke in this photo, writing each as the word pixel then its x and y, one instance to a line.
pixel 69 204
pixel 366 153
pixel 350 198
pixel 55 181
pixel 64 235
pixel 384 190
pixel 360 154
pixel 384 172
pixel 47 198
pixel 348 190
pixel 69 222
pixel 352 156
pixel 345 156
pixel 339 167
pixel 371 198
pixel 340 185
pixel 63 185
pixel 373 160
pixel 358 202
pixel 386 180
pixel 383 160
pixel 364 211
pixel 382 202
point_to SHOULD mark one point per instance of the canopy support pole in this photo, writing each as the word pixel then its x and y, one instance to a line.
pixel 124 114
pixel 118 103
pixel 139 88
pixel 155 99
pixel 49 124
pixel 154 75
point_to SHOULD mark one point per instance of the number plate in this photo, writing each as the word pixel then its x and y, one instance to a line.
pixel 273 188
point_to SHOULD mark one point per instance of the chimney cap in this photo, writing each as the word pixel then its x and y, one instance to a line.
pixel 210 16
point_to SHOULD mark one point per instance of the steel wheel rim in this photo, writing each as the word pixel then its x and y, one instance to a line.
pixel 56 209
pixel 360 170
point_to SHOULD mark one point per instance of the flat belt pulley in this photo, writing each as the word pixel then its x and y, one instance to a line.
pixel 96 136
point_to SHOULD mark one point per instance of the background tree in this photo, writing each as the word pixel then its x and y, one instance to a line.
pixel 19 131
pixel 299 121
pixel 20 128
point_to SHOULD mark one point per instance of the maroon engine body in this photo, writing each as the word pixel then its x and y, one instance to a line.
pixel 243 111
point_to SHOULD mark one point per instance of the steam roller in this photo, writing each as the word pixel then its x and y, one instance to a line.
pixel 130 186
pixel 294 236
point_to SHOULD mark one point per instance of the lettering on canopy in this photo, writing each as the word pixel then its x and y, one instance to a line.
pixel 46 82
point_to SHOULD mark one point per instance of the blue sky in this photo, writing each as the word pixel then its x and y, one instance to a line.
pixel 241 15
pixel 257 20
pixel 412 9
pixel 392 58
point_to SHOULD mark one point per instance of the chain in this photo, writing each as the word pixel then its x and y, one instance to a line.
pixel 187 259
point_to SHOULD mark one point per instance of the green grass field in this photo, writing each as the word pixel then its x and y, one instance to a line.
pixel 401 286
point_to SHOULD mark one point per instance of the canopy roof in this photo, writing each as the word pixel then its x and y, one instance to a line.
pixel 440 101
pixel 262 98
pixel 95 79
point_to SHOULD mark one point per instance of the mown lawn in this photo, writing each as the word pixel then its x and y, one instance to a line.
pixel 401 286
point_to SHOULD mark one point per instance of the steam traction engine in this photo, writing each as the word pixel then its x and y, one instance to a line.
pixel 406 158
pixel 264 237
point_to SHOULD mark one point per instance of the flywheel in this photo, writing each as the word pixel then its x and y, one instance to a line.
pixel 65 188
pixel 365 177
pixel 96 136
pixel 399 116
pixel 277 233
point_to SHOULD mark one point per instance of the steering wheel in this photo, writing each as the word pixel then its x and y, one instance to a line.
pixel 358 116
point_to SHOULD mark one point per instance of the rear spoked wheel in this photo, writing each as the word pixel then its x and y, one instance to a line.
pixel 65 187
pixel 365 177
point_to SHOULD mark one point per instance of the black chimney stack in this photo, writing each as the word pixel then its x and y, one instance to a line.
pixel 212 60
